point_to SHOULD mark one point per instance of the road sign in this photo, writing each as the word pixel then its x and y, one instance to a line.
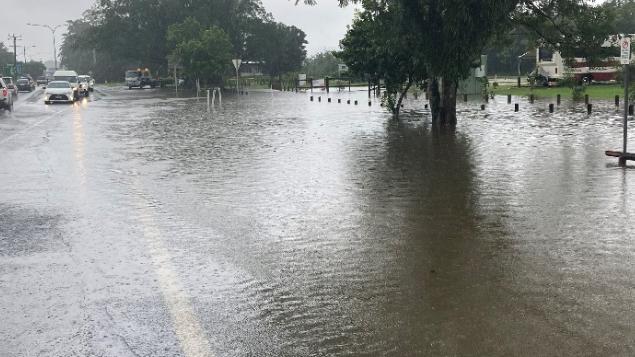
pixel 237 63
pixel 19 68
pixel 625 54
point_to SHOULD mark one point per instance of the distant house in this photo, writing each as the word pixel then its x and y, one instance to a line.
pixel 473 84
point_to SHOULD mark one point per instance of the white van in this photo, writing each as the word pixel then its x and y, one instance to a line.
pixel 72 77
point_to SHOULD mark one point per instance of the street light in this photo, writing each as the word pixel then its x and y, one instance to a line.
pixel 24 50
pixel 53 29
pixel 519 58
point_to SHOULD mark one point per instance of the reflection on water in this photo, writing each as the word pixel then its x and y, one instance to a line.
pixel 326 229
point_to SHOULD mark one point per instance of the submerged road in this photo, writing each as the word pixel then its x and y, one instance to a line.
pixel 133 223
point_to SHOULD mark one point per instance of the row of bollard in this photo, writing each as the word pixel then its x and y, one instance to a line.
pixel 339 101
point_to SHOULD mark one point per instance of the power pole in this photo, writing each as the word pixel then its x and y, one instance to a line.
pixel 15 54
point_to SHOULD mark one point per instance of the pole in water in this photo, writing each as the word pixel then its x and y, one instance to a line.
pixel 464 97
pixel 509 99
pixel 558 99
pixel 370 103
pixel 622 161
pixel 311 98
pixel 329 100
pixel 550 107
pixel 348 101
pixel 617 100
pixel 208 100
pixel 355 102
pixel 531 98
pixel 516 107
pixel 630 109
pixel 339 101
pixel 589 108
pixel 586 99
pixel 482 106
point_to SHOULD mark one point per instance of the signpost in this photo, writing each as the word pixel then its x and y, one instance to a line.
pixel 625 59
pixel 237 63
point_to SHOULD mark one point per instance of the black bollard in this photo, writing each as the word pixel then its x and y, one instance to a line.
pixel 586 99
pixel 516 107
pixel 319 99
pixel 329 100
pixel 339 101
pixel 482 106
pixel 348 101
pixel 311 98
pixel 426 106
pixel 370 103
pixel 416 95
pixel 355 102
pixel 550 107
pixel 509 99
pixel 558 99
pixel 531 98
pixel 465 97
pixel 589 108
pixel 617 100
pixel 630 109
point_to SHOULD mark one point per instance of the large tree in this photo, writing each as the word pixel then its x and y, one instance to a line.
pixel 280 48
pixel 449 35
pixel 116 34
pixel 205 53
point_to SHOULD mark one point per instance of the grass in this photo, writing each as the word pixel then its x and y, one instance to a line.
pixel 596 91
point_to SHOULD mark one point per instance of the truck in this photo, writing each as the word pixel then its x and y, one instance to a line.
pixel 140 78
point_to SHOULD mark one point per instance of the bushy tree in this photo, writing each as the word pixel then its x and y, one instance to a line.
pixel 205 53
pixel 280 48
pixel 323 64
pixel 450 35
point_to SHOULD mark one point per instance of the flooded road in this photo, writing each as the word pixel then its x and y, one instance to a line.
pixel 137 224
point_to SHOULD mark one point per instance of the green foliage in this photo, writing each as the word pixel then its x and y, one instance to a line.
pixel 204 53
pixel 34 68
pixel 323 64
pixel 278 47
pixel 119 34
pixel 6 57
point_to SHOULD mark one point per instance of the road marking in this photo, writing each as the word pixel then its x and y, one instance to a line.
pixel 187 327
pixel 8 138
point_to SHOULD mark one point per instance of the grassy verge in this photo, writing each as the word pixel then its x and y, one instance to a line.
pixel 597 91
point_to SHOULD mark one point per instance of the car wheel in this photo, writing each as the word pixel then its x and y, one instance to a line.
pixel 129 87
pixel 47 102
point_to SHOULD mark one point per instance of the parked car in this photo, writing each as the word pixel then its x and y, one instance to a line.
pixel 59 91
pixel 42 81
pixel 71 77
pixel 6 97
pixel 25 85
pixel 87 81
pixel 11 86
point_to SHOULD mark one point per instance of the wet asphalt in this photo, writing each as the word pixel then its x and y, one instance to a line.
pixel 137 223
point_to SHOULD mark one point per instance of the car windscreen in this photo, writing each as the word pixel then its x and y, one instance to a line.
pixel 71 79
pixel 59 85
pixel 132 74
pixel 23 81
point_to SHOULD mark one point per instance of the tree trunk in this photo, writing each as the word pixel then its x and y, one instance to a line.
pixel 449 102
pixel 402 94
pixel 443 101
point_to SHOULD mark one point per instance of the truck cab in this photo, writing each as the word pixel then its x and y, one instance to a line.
pixel 139 78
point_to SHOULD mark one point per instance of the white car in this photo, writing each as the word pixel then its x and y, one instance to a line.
pixel 87 81
pixel 59 91
pixel 71 77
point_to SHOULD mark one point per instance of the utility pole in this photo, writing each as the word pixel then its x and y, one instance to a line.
pixel 52 29
pixel 15 39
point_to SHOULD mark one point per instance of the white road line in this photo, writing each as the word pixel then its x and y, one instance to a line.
pixel 186 325
pixel 8 138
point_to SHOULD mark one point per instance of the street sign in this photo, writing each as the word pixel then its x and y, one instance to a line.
pixel 237 63
pixel 19 68
pixel 625 54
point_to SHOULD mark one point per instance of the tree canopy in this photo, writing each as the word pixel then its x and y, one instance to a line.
pixel 116 34
pixel 448 36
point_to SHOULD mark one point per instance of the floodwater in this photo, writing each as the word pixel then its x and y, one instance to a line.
pixel 137 224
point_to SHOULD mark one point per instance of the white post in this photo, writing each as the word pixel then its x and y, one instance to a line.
pixel 176 81
pixel 220 97
pixel 208 100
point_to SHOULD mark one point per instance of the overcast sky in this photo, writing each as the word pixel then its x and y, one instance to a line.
pixel 324 24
